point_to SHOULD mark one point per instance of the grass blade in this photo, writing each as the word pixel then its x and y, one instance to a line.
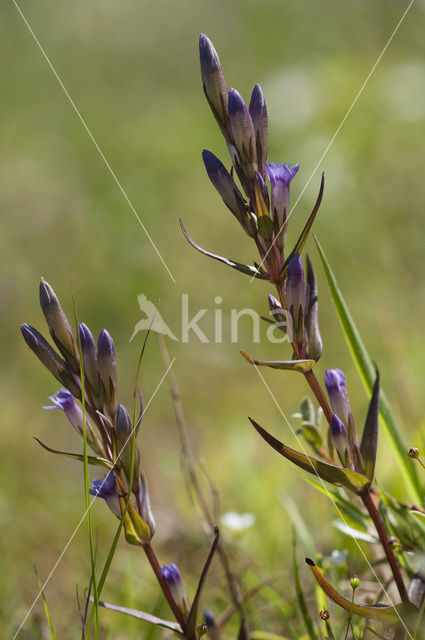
pixel 367 373
pixel 46 608
pixel 299 590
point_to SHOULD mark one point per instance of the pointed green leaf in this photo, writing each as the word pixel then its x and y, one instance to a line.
pixel 404 613
pixel 352 480
pixel 102 462
pixel 243 268
pixel 290 365
pixel 369 444
pixel 304 234
pixel 141 615
pixel 46 607
pixel 194 610
pixel 367 373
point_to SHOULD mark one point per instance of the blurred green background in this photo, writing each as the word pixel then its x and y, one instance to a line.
pixel 132 70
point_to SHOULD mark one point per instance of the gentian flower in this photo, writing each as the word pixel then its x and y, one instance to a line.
pixel 174 580
pixel 280 176
pixel 64 400
pixel 339 438
pixel 336 385
pixel 107 489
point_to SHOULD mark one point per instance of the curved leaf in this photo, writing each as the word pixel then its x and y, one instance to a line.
pixel 291 365
pixel 141 615
pixel 367 372
pixel 243 268
pixel 194 610
pixel 339 476
pixel 102 462
pixel 403 613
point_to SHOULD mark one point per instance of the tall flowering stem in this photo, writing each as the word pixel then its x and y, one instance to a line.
pixel 262 208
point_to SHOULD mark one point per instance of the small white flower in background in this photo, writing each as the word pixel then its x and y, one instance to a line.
pixel 237 522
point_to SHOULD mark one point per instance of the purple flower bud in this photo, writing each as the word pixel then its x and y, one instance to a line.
pixel 107 368
pixel 242 131
pixel 107 489
pixel 215 87
pixel 51 360
pixel 209 619
pixel 335 384
pixel 339 437
pixel 280 176
pixel 174 580
pixel 296 297
pixel 124 431
pixel 59 327
pixel 88 349
pixel 258 112
pixel 226 187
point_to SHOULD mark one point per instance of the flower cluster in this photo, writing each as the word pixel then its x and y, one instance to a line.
pixel 80 364
pixel 262 204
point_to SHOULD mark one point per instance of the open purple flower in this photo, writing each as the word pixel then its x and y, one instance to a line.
pixel 64 400
pixel 107 489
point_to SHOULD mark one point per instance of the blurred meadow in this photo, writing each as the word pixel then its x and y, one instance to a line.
pixel 132 70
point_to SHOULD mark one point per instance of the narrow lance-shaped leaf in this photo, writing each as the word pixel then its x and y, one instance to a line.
pixel 243 268
pixel 141 615
pixel 367 372
pixel 304 234
pixel 402 613
pixel 101 462
pixel 339 476
pixel 369 444
pixel 291 365
pixel 194 611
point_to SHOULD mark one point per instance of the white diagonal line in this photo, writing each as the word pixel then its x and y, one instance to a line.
pixel 359 93
pixel 88 509
pixel 339 512
pixel 102 155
